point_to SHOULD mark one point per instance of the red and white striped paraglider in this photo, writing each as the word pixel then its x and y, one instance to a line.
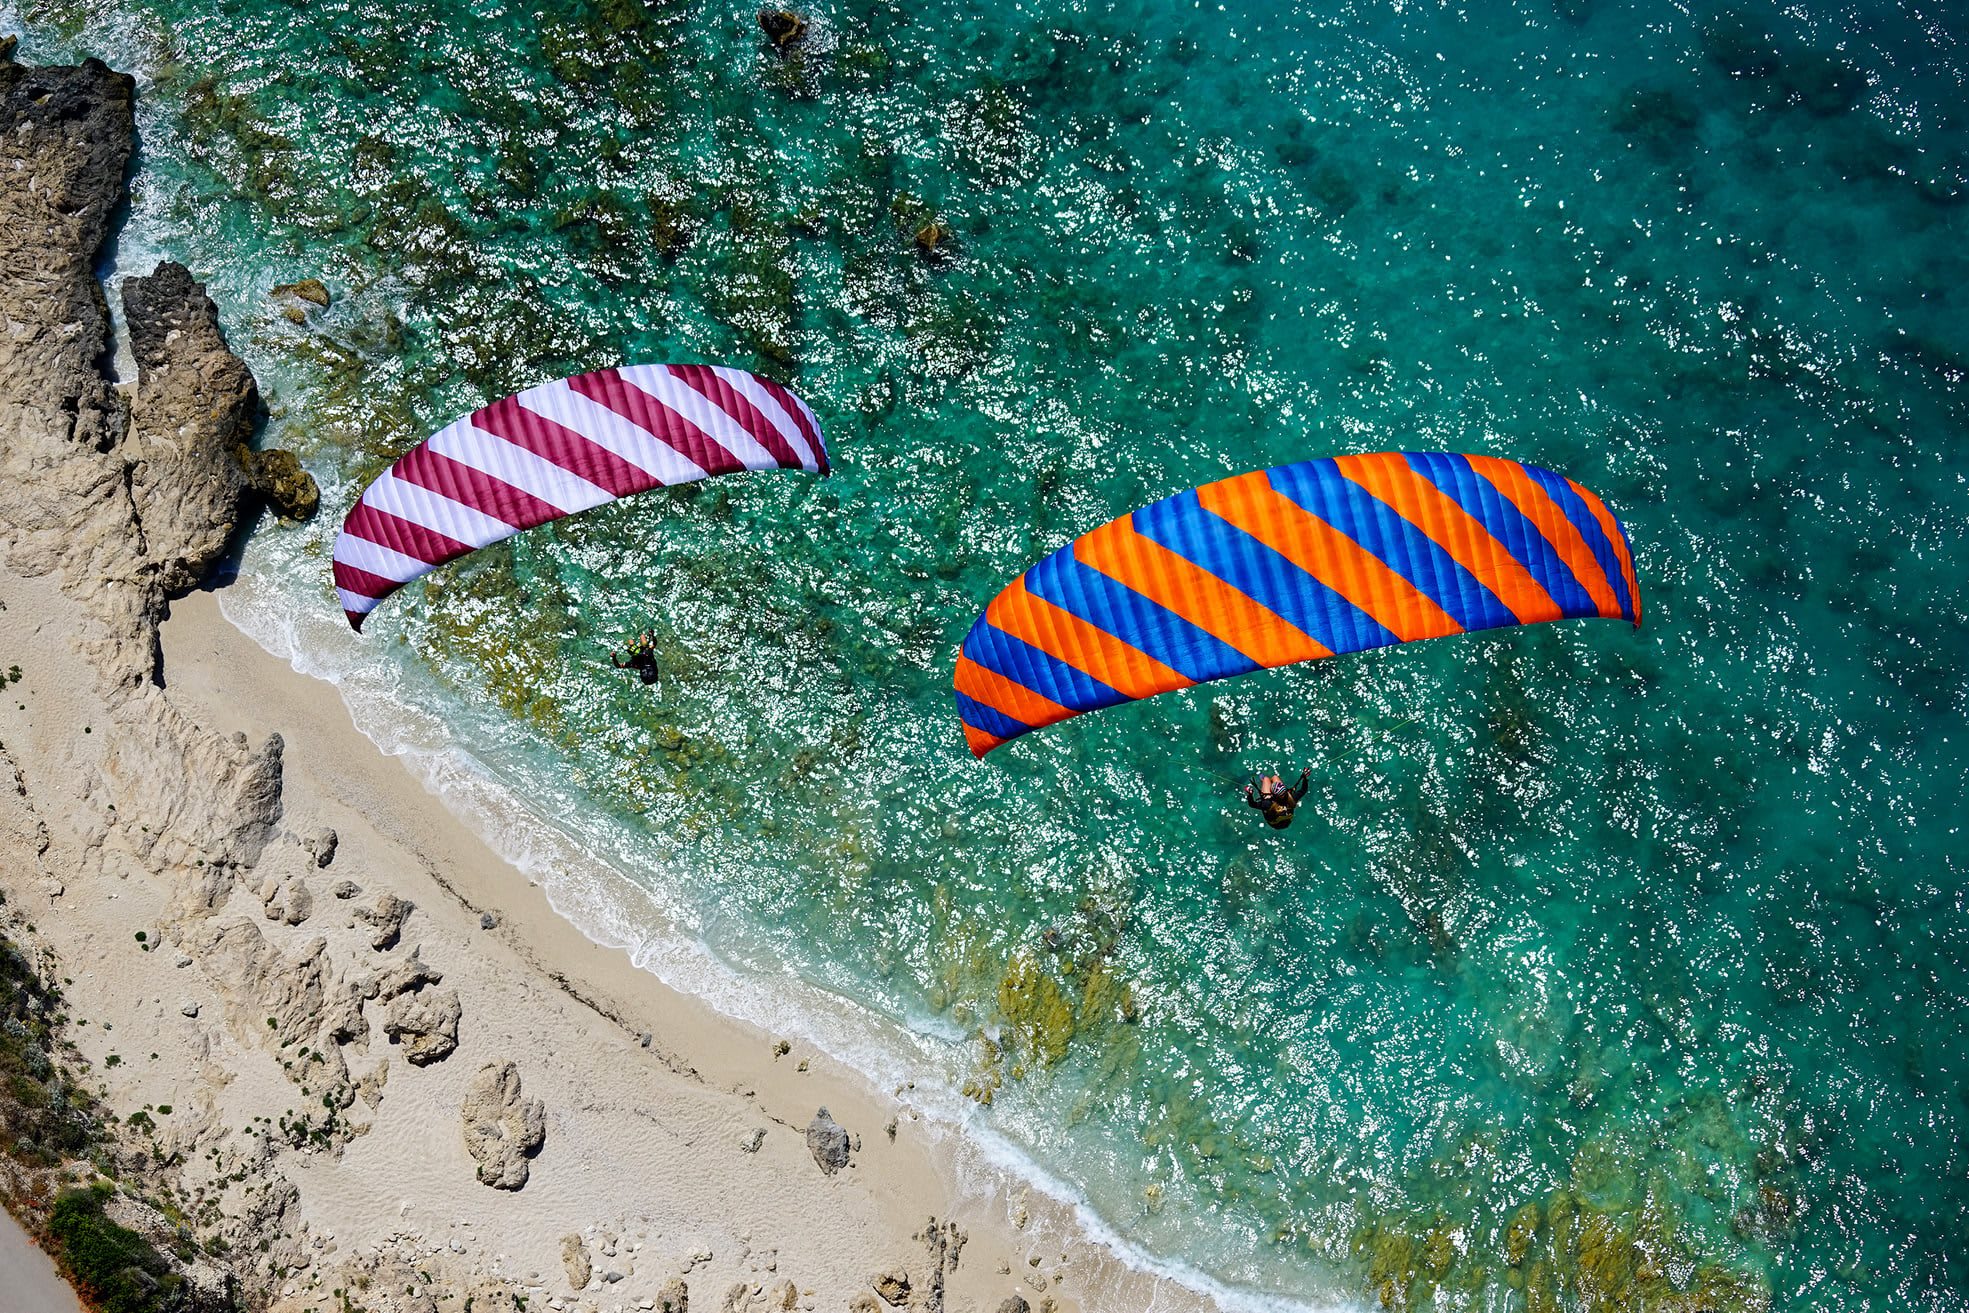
pixel 558 449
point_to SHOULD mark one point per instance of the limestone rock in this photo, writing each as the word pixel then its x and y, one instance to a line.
pixel 574 1257
pixel 1014 1304
pixel 345 889
pixel 425 1023
pixel 385 919
pixel 892 1286
pixel 863 1302
pixel 195 402
pixel 828 1142
pixel 321 844
pixel 288 901
pixel 407 976
pixel 503 1128
pixel 675 1297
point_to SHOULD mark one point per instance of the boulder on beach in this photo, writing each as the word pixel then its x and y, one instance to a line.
pixel 574 1258
pixel 892 1286
pixel 675 1297
pixel 503 1129
pixel 828 1141
pixel 425 1023
pixel 385 919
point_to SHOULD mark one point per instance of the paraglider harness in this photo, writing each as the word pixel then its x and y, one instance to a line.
pixel 641 658
pixel 1277 802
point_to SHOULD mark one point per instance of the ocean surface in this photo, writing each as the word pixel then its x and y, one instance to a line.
pixel 1604 969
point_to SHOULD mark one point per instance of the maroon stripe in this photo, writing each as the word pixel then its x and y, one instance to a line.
pixel 705 381
pixel 405 537
pixel 574 452
pixel 474 488
pixel 356 580
pixel 792 406
pixel 608 388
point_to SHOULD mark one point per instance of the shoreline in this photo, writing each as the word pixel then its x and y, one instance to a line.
pixel 216 671
pixel 873 1051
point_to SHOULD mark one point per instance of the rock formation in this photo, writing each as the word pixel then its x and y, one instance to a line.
pixel 385 919
pixel 503 1129
pixel 828 1141
pixel 574 1258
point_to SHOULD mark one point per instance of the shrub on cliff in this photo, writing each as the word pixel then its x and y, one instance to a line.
pixel 119 1270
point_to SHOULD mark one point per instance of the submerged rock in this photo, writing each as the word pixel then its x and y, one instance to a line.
pixel 503 1129
pixel 784 28
pixel 828 1141
pixel 311 290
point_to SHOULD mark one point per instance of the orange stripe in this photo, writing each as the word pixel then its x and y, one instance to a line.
pixel 1118 551
pixel 1250 502
pixel 1393 482
pixel 1611 527
pixel 1092 651
pixel 1532 501
pixel 1006 696
pixel 978 741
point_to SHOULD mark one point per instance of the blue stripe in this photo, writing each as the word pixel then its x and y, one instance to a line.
pixel 1046 675
pixel 1211 543
pixel 1590 532
pixel 1062 580
pixel 1521 538
pixel 1318 486
pixel 978 716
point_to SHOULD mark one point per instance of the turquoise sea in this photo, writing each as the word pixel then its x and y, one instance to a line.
pixel 1604 969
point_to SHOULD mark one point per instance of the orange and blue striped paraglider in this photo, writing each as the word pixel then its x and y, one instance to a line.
pixel 1285 565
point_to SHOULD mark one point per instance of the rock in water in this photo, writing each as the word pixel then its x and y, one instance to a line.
pixel 311 290
pixel 784 28
pixel 276 475
pixel 574 1257
pixel 828 1141
pixel 503 1129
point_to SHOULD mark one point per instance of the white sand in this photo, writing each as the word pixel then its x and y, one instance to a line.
pixel 641 1143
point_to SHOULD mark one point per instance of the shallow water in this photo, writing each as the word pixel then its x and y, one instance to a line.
pixel 1631 968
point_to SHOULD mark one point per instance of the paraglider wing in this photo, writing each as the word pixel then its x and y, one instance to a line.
pixel 557 449
pixel 1284 565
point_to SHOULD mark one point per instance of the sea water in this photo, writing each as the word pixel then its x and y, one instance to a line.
pixel 1608 967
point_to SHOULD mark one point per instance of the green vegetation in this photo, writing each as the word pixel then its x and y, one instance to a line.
pixel 48 1122
pixel 108 1262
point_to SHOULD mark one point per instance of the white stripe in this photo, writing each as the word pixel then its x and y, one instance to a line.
pixel 488 453
pixel 356 602
pixel 375 558
pixel 434 511
pixel 671 391
pixel 605 428
pixel 746 384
